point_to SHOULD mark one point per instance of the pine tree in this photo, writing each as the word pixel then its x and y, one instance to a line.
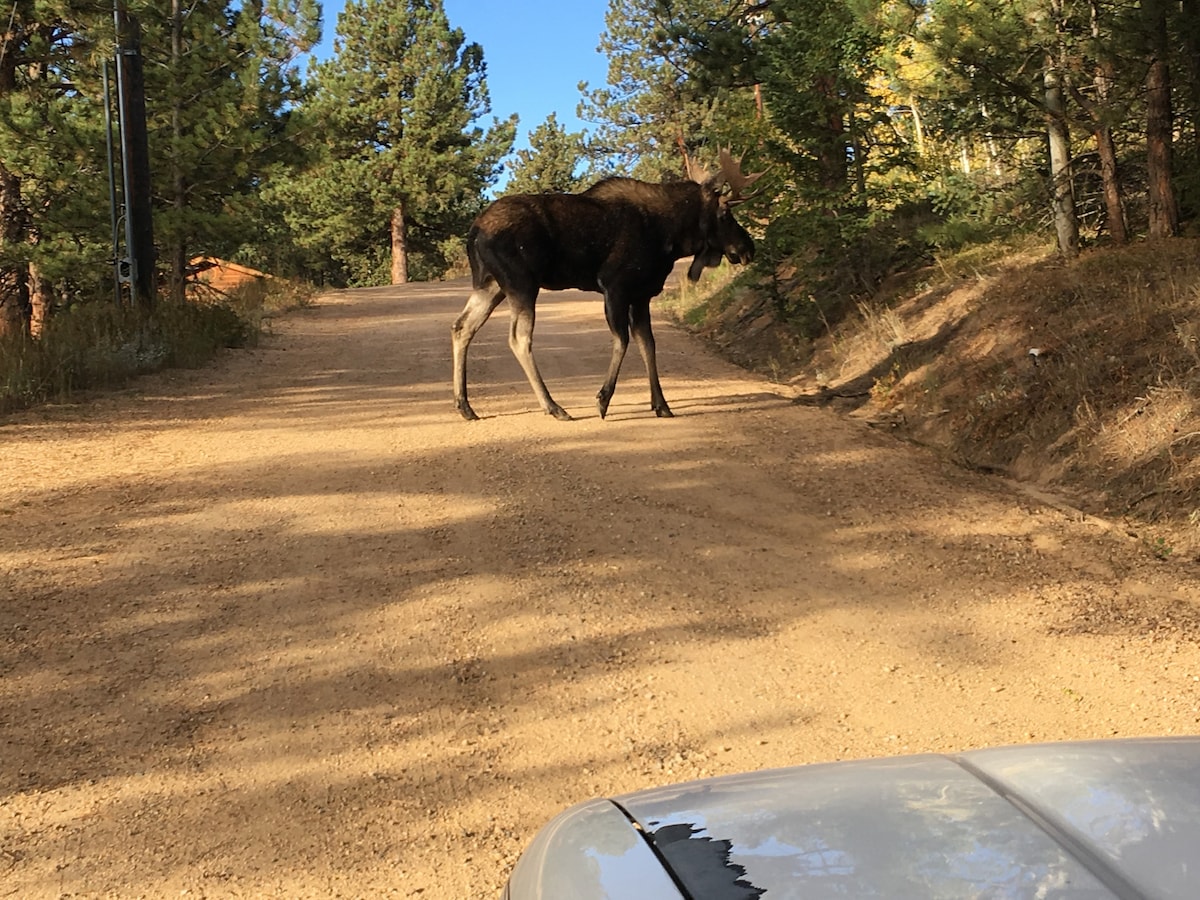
pixel 219 78
pixel 655 116
pixel 819 60
pixel 405 164
pixel 1005 76
pixel 222 80
pixel 550 163
pixel 53 206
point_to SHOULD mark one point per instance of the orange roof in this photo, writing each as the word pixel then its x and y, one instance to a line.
pixel 221 274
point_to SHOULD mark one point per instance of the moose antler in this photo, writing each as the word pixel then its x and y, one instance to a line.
pixel 697 172
pixel 731 172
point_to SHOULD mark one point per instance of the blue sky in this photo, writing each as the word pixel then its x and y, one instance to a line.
pixel 537 52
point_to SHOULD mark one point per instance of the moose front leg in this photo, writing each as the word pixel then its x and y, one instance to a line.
pixel 520 341
pixel 639 323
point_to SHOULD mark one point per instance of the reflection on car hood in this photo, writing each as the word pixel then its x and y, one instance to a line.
pixel 1080 820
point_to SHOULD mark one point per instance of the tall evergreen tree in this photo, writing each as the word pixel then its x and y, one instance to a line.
pixel 1102 111
pixel 820 61
pixel 550 163
pixel 655 116
pixel 219 78
pixel 405 164
pixel 53 207
pixel 1188 23
pixel 222 81
pixel 1005 75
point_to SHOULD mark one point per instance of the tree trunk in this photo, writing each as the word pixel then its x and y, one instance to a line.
pixel 14 278
pixel 834 151
pixel 1114 203
pixel 41 298
pixel 399 247
pixel 14 286
pixel 1164 212
pixel 1062 194
pixel 918 125
pixel 1066 225
pixel 860 167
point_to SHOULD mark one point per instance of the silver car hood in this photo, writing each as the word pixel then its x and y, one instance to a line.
pixel 1096 820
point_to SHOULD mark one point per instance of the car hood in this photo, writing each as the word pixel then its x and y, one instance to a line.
pixel 1080 820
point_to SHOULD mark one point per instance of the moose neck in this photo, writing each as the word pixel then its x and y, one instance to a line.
pixel 684 217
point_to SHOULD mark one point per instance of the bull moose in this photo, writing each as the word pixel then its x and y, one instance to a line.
pixel 621 238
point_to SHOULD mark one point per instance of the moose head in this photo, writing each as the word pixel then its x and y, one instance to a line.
pixel 725 237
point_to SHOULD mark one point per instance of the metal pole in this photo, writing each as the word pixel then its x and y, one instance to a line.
pixel 114 229
pixel 139 200
pixel 123 113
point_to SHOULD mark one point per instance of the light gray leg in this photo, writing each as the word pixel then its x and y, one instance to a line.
pixel 520 340
pixel 479 307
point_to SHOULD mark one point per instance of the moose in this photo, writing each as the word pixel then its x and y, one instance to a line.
pixel 621 238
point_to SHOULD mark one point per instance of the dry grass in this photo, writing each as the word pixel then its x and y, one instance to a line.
pixel 100 345
pixel 883 326
pixel 1106 403
pixel 1106 408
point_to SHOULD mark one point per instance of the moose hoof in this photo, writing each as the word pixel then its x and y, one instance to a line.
pixel 602 401
pixel 559 413
pixel 664 412
pixel 467 412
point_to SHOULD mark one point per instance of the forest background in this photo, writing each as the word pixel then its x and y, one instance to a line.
pixel 974 116
pixel 895 135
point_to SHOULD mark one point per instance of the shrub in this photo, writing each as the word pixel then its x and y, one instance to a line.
pixel 101 345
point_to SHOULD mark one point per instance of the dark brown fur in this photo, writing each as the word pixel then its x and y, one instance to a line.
pixel 620 237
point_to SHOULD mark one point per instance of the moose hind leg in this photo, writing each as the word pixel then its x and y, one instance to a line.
pixel 520 341
pixel 639 317
pixel 479 307
pixel 617 314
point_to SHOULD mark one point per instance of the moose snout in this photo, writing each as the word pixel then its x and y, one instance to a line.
pixel 738 255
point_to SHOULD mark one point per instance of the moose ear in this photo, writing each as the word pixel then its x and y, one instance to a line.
pixel 715 182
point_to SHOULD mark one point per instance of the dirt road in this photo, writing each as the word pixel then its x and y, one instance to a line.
pixel 290 627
